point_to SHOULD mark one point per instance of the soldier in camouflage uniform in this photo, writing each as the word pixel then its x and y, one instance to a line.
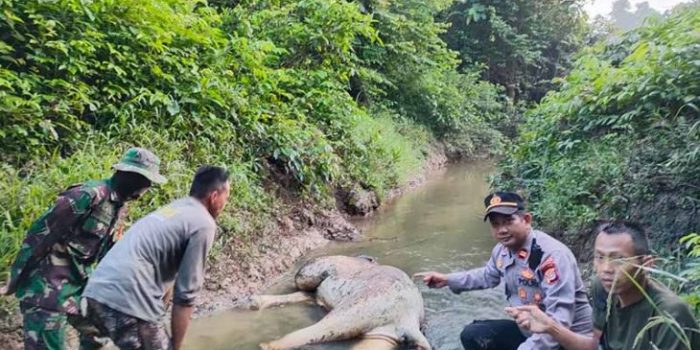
pixel 62 247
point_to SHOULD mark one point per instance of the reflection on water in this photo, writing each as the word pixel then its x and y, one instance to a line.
pixel 437 227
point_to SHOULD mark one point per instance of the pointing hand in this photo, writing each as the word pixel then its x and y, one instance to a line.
pixel 432 279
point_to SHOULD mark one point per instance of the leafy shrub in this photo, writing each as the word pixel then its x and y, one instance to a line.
pixel 621 137
pixel 265 88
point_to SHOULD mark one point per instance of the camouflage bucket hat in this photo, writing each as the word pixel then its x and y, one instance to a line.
pixel 141 161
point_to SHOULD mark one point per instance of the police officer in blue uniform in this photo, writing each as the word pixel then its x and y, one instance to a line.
pixel 536 269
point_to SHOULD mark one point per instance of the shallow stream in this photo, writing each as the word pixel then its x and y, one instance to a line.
pixel 436 227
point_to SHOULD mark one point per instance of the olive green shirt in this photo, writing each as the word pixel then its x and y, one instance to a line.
pixel 622 326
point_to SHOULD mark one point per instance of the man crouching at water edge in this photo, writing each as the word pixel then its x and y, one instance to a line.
pixel 124 297
pixel 537 270
pixel 630 310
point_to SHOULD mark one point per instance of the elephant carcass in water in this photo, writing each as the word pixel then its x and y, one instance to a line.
pixel 378 303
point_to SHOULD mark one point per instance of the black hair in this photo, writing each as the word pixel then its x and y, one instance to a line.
pixel 636 231
pixel 208 179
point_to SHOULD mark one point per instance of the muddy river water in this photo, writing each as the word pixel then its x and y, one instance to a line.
pixel 436 227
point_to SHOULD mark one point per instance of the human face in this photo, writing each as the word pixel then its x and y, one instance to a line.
pixel 130 186
pixel 218 199
pixel 510 230
pixel 616 263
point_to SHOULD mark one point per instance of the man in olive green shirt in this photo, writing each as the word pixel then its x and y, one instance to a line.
pixel 630 310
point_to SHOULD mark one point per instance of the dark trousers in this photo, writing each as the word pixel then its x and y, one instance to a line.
pixel 492 335
pixel 46 330
pixel 127 332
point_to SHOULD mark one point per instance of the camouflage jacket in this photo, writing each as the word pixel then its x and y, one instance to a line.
pixel 63 245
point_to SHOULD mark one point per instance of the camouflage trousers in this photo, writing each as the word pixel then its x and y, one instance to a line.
pixel 46 330
pixel 127 332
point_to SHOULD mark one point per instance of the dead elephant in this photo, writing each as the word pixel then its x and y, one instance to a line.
pixel 378 303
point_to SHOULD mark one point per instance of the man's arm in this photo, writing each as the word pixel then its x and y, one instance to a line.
pixel 180 321
pixel 488 276
pixel 531 318
pixel 190 279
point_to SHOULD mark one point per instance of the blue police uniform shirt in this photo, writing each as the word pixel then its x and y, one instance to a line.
pixel 542 272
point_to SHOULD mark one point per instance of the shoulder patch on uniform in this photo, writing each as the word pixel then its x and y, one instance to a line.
pixel 549 270
pixel 547 264
pixel 551 276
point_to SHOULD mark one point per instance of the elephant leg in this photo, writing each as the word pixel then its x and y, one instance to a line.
pixel 386 338
pixel 381 338
pixel 260 302
pixel 375 344
pixel 329 328
pixel 414 336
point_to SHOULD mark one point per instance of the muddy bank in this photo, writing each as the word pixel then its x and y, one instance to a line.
pixel 242 271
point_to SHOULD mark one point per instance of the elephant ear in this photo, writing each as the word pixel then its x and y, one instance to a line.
pixel 368 258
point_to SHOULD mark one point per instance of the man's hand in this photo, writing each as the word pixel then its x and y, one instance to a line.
pixel 168 297
pixel 432 279
pixel 531 318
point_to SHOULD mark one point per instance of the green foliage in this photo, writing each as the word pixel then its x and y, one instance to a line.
pixel 621 139
pixel 523 44
pixel 691 271
pixel 304 95
pixel 411 71
pixel 35 187
pixel 69 65
pixel 681 264
pixel 377 142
